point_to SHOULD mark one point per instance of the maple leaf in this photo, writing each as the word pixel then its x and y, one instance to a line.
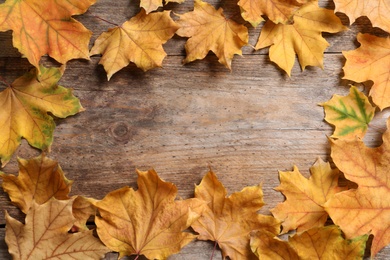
pixel 25 105
pixel 210 30
pixel 152 5
pixel 229 220
pixel 46 27
pixel 303 208
pixel 138 40
pixel 316 243
pixel 367 208
pixel 303 37
pixel 350 114
pixel 278 11
pixel 82 209
pixel 148 221
pixel 371 62
pixel 39 180
pixel 376 10
pixel 45 234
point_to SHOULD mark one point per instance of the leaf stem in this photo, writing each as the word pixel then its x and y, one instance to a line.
pixel 104 20
pixel 214 249
pixel 136 257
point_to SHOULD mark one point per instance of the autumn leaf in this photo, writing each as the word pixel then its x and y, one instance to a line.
pixel 303 207
pixel 148 221
pixel 45 234
pixel 303 37
pixel 25 105
pixel 278 11
pixel 46 27
pixel 210 30
pixel 316 243
pixel 376 10
pixel 39 180
pixel 82 209
pixel 367 208
pixel 138 40
pixel 350 114
pixel 152 5
pixel 229 220
pixel 371 61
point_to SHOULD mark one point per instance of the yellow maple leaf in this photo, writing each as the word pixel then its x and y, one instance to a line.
pixel 210 30
pixel 82 209
pixel 367 208
pixel 376 10
pixel 278 11
pixel 350 114
pixel 25 105
pixel 148 221
pixel 229 220
pixel 46 27
pixel 371 61
pixel 316 243
pixel 138 40
pixel 45 235
pixel 303 207
pixel 39 180
pixel 152 5
pixel 303 37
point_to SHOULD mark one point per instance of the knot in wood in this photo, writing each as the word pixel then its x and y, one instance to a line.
pixel 120 131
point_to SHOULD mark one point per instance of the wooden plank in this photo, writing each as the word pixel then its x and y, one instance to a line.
pixel 246 124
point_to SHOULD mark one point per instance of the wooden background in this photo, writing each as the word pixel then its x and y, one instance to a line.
pixel 181 119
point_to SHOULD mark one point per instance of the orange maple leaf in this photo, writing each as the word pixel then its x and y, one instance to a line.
pixel 303 37
pixel 229 220
pixel 148 221
pixel 25 105
pixel 46 27
pixel 316 243
pixel 371 61
pixel 138 40
pixel 39 180
pixel 376 10
pixel 278 11
pixel 45 235
pixel 209 29
pixel 367 208
pixel 303 208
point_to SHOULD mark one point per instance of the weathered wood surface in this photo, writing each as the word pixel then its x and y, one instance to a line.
pixel 246 124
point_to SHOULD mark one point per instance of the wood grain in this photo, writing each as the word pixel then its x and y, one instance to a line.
pixel 246 124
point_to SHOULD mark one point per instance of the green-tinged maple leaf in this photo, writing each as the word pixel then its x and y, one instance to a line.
pixel 371 61
pixel 303 37
pixel 138 40
pixel 45 235
pixel 350 114
pixel 367 208
pixel 303 208
pixel 376 10
pixel 229 220
pixel 278 11
pixel 209 29
pixel 316 243
pixel 39 180
pixel 148 221
pixel 46 27
pixel 24 110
